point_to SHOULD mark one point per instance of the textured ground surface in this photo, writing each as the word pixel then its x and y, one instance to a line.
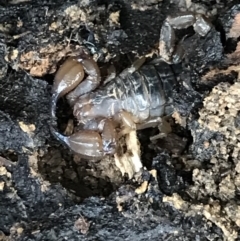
pixel 189 188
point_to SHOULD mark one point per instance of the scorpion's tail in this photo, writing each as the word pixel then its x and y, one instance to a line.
pixel 61 138
pixel 54 105
pixel 53 124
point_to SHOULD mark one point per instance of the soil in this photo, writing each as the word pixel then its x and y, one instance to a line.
pixel 187 188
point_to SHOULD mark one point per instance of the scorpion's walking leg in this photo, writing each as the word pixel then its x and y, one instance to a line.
pixel 164 128
pixel 128 124
pixel 168 52
pixel 94 143
pixel 108 133
pixel 70 75
pixel 127 121
pixel 160 122
pixel 111 74
pixel 135 66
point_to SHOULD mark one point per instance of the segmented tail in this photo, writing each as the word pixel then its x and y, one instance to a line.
pixel 63 139
pixel 54 105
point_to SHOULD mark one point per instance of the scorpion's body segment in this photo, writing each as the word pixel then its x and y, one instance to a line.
pixel 144 94
pixel 135 99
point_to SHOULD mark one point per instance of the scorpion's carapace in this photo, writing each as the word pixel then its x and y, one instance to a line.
pixel 135 99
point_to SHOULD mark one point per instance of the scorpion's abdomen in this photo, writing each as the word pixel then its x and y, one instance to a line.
pixel 144 93
pixel 148 91
pixel 156 94
pixel 167 77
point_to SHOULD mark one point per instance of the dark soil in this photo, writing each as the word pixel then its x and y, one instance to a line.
pixel 189 186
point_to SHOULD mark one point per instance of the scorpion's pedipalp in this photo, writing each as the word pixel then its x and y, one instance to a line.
pixel 93 143
pixel 108 134
pixel 107 130
pixel 90 83
pixel 69 75
pixel 178 54
pixel 86 143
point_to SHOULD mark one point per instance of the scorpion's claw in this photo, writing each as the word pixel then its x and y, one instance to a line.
pixel 70 77
pixel 87 143
pixel 91 82
pixel 70 74
pixel 93 143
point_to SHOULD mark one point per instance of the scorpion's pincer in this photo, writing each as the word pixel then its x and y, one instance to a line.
pixel 87 143
pixel 70 76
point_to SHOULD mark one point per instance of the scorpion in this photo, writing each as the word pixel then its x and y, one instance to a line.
pixel 138 98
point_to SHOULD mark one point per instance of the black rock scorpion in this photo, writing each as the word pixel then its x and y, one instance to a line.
pixel 136 99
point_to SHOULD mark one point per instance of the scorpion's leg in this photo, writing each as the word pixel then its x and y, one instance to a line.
pixel 150 123
pixel 108 134
pixel 112 71
pixel 127 122
pixel 70 76
pixel 160 122
pixel 164 128
pixel 94 143
pixel 90 83
pixel 111 74
pixel 168 52
pixel 135 66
